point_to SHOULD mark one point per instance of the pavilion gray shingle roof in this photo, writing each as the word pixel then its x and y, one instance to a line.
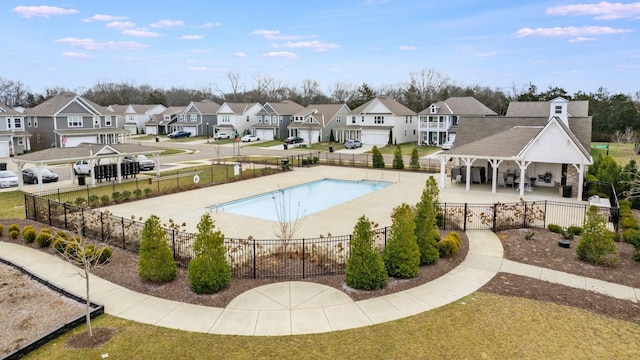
pixel 541 109
pixel 461 105
pixel 394 107
pixel 82 151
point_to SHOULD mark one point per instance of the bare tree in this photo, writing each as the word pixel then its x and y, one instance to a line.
pixel 629 135
pixel 289 222
pixel 341 92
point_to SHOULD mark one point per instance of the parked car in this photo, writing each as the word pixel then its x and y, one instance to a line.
pixel 8 179
pixel 221 135
pixel 82 167
pixel 30 175
pixel 179 134
pixel 249 138
pixel 144 163
pixel 352 144
pixel 294 140
pixel 447 145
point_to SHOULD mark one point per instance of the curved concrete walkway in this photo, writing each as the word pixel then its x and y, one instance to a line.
pixel 297 307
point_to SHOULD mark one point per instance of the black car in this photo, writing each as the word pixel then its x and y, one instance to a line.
pixel 179 134
pixel 293 140
pixel 30 175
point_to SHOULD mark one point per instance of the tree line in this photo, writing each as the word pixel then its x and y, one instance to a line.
pixel 614 115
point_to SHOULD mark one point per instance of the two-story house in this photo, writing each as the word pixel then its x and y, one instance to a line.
pixel 237 118
pixel 67 120
pixel 133 117
pixel 14 139
pixel 274 118
pixel 379 121
pixel 316 122
pixel 199 117
pixel 438 122
pixel 160 124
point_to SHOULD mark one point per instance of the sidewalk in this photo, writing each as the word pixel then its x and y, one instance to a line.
pixel 295 307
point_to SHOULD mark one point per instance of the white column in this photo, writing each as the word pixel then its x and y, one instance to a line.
pixel 443 169
pixel 523 174
pixel 580 169
pixel 468 162
pixel 495 163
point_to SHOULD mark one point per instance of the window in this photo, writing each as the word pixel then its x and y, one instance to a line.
pixel 35 122
pixel 193 117
pixel 74 121
pixel 362 119
pixel 107 121
pixel 20 141
pixel 247 118
pixel 558 109
pixel 353 119
pixel 378 119
pixel 260 119
pixel 29 122
pixel 18 123
pixel 8 123
pixel 131 118
pixel 455 120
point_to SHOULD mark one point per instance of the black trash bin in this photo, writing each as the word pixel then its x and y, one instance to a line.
pixel 330 148
pixel 286 146
pixel 157 139
pixel 566 191
pixel 81 180
pixel 3 166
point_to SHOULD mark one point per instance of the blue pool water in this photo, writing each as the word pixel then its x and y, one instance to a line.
pixel 301 200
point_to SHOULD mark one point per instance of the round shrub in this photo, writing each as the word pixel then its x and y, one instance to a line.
pixel 148 192
pixel 80 201
pixel 93 200
pixel 116 196
pixel 60 244
pixel 126 195
pixel 29 234
pixel 636 255
pixel 205 277
pixel 632 236
pixel 155 260
pixel 555 228
pixel 15 227
pixel 44 239
pixel 595 245
pixel 456 237
pixel 574 230
pixel 448 247
pixel 105 199
pixel 87 252
pixel 1 230
pixel 105 255
pixel 137 193
pixel 14 234
pixel 62 234
pixel 27 228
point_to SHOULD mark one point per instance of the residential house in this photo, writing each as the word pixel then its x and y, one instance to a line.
pixel 133 117
pixel 67 120
pixel 159 124
pixel 274 118
pixel 198 117
pixel 539 144
pixel 14 139
pixel 378 121
pixel 237 118
pixel 438 122
pixel 316 122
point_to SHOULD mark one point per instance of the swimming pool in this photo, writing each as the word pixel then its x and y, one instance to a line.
pixel 301 200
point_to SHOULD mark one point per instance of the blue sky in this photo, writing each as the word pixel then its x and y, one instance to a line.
pixel 575 44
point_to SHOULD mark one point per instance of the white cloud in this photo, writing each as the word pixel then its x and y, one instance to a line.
pixel 167 23
pixel 601 11
pixel 119 25
pixel 280 54
pixel 487 54
pixel 207 25
pixel 102 17
pixel 582 39
pixel 75 55
pixel 314 45
pixel 140 33
pixel 407 48
pixel 90 44
pixel 569 31
pixel 240 55
pixel 42 11
pixel 190 37
pixel 274 35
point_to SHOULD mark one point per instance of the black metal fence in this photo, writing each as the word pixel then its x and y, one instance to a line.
pixel 300 258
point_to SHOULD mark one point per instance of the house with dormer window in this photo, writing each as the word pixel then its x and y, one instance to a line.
pixel 377 121
pixel 67 120
pixel 14 139
pixel 237 118
pixel 438 122
pixel 197 118
pixel 274 118
pixel 159 124
pixel 133 117
pixel 536 145
pixel 316 122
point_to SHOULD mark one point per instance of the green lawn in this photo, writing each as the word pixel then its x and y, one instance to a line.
pixel 12 204
pixel 407 149
pixel 620 152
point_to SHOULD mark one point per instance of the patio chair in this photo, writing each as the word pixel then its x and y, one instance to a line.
pixel 501 180
pixel 510 180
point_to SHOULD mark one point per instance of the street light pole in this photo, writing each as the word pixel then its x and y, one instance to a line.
pixel 207 132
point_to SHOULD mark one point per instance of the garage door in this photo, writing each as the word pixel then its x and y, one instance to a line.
pixel 4 149
pixel 192 129
pixel 375 138
pixel 264 134
pixel 75 141
pixel 151 130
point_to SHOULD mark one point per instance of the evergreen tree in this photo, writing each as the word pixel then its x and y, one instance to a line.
pixel 209 271
pixel 155 261
pixel 414 164
pixel 390 141
pixel 595 244
pixel 332 137
pixel 378 160
pixel 402 255
pixel 398 162
pixel 365 267
pixel 426 231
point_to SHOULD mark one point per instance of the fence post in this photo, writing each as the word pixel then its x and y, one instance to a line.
pixel 173 241
pixel 64 207
pixel 59 195
pixel 444 217
pixel 101 226
pixel 177 180
pixel 386 228
pixel 254 258
pixel 544 220
pixel 49 210
pixel 303 258
pixel 495 217
pixel 35 209
pixel 82 222
pixel 464 219
pixel 524 220
pixel 124 242
pixel 88 193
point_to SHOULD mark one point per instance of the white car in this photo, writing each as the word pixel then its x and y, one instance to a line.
pixel 249 138
pixel 82 167
pixel 447 145
pixel 8 179
pixel 144 163
pixel 221 135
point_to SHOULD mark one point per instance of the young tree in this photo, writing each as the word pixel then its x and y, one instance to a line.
pixel 377 159
pixel 390 140
pixel 155 261
pixel 426 230
pixel 398 162
pixel 595 244
pixel 209 271
pixel 365 267
pixel 414 164
pixel 402 255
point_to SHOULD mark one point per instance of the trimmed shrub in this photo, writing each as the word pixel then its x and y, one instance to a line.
pixel 449 245
pixel 116 196
pixel 414 163
pixel 402 255
pixel 105 199
pixel 94 200
pixel 555 228
pixel 632 236
pixel 44 238
pixel 148 192
pixel 62 234
pixel 80 201
pixel 105 255
pixel 595 244
pixel 29 234
pixel 60 244
pixel 126 195
pixel 425 220
pixel 137 193
pixel 376 158
pixel 398 162
pixel 365 268
pixel 636 255
pixel 155 261
pixel 1 230
pixel 14 227
pixel 574 230
pixel 209 271
pixel 14 234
